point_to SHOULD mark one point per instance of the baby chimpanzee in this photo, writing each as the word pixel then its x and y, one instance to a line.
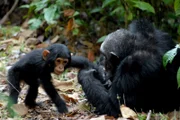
pixel 35 68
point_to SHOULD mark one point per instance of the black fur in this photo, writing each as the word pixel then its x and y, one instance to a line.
pixel 96 92
pixel 34 70
pixel 133 62
pixel 84 64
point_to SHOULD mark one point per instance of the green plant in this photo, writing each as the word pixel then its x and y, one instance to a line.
pixel 168 58
pixel 45 10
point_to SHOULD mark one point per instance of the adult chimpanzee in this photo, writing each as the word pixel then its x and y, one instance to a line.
pixel 92 78
pixel 133 61
pixel 36 67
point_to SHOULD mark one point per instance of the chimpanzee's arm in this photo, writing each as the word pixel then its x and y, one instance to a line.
pixel 80 62
pixel 51 91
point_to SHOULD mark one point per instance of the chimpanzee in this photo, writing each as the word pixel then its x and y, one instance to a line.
pixel 133 62
pixel 35 68
pixel 84 64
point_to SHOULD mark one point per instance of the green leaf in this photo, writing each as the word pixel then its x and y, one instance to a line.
pixel 75 31
pixel 50 14
pixel 101 39
pixel 63 3
pixel 34 23
pixel 178 77
pixel 168 2
pixel 144 6
pixel 107 2
pixel 177 7
pixel 95 10
pixel 79 22
pixel 76 13
pixel 169 56
pixel 39 5
pixel 130 16
pixel 24 6
pixel 117 10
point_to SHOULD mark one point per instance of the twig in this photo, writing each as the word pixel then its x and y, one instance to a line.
pixel 9 12
pixel 149 115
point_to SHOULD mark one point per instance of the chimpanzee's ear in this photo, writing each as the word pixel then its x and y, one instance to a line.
pixel 45 54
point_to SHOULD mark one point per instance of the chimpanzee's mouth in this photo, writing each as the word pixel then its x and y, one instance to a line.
pixel 57 72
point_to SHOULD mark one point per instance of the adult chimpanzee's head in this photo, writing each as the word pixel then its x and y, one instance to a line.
pixel 58 57
pixel 115 48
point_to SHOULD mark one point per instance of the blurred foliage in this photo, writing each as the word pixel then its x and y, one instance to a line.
pixel 91 20
pixel 6 32
pixel 169 57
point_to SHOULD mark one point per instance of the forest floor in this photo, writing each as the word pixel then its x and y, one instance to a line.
pixel 12 48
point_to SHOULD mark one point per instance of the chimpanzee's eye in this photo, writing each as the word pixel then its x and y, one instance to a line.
pixel 65 62
pixel 58 60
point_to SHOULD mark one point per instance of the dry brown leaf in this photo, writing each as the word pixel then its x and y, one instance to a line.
pixel 40 38
pixel 91 56
pixel 127 112
pixel 12 40
pixel 42 45
pixel 64 85
pixel 31 41
pixel 26 33
pixel 109 117
pixel 87 43
pixel 21 39
pixel 69 26
pixel 25 24
pixel 1 105
pixel 58 83
pixel 175 115
pixel 67 98
pixel 3 47
pixel 68 12
pixel 41 91
pixel 20 109
pixel 122 119
pixel 74 96
pixel 55 39
pixel 102 117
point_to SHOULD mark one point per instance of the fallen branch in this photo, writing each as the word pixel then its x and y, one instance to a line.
pixel 9 12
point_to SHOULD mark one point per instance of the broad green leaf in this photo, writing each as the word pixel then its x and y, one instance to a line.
pixel 79 22
pixel 107 2
pixel 117 10
pixel 39 5
pixel 95 10
pixel 76 13
pixel 177 7
pixel 50 14
pixel 169 56
pixel 63 3
pixel 34 23
pixel 24 6
pixel 101 39
pixel 168 2
pixel 178 77
pixel 75 31
pixel 144 6
pixel 130 16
